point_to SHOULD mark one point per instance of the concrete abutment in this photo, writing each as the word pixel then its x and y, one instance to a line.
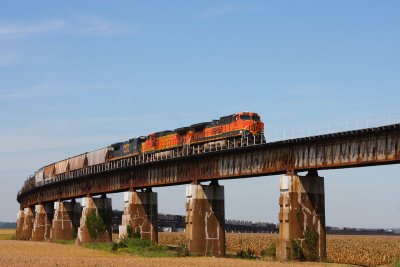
pixel 301 217
pixel 26 231
pixel 66 220
pixel 95 223
pixel 140 214
pixel 20 224
pixel 42 223
pixel 205 219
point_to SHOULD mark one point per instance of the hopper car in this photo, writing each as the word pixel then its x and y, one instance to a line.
pixel 204 136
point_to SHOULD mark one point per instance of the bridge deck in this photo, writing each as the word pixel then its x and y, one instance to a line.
pixel 373 146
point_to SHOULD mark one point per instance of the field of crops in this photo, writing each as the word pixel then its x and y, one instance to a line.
pixel 43 254
pixel 364 250
pixel 7 234
pixel 360 250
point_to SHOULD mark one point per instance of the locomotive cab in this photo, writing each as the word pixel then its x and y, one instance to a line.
pixel 249 121
pixel 151 139
pixel 149 144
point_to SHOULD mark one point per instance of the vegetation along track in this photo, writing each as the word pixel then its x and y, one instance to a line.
pixel 344 249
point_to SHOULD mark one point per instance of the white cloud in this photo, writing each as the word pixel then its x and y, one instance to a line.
pixel 12 143
pixel 47 88
pixel 89 25
pixel 21 30
pixel 99 27
pixel 217 12
pixel 8 59
pixel 59 133
pixel 33 91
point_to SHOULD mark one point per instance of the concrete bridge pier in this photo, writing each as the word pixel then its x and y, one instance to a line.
pixel 95 223
pixel 42 223
pixel 140 214
pixel 66 220
pixel 20 224
pixel 205 219
pixel 27 227
pixel 302 217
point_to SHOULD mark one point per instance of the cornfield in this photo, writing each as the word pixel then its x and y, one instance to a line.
pixel 254 242
pixel 174 239
pixel 359 250
pixel 363 250
pixel 7 234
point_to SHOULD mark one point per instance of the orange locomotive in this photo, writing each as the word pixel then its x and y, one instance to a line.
pixel 243 124
pixel 206 136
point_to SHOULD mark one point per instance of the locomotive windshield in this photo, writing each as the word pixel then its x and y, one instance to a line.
pixel 254 117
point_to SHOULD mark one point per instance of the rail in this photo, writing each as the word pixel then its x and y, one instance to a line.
pixel 180 152
pixel 239 159
pixel 190 150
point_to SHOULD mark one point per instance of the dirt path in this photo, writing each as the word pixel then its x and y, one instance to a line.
pixel 25 253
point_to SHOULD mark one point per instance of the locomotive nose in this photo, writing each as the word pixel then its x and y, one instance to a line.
pixel 260 126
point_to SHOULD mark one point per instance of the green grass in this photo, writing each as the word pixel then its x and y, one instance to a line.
pixel 143 248
pixel 397 264
pixel 246 254
pixel 7 234
pixel 135 246
pixel 7 237
pixel 100 246
pixel 269 251
pixel 65 242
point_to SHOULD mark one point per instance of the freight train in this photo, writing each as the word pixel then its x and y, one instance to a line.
pixel 206 135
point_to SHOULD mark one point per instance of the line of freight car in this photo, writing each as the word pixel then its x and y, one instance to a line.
pixel 162 143
pixel 74 163
pixel 241 124
pixel 207 135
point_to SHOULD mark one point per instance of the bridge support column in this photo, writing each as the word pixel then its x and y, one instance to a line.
pixel 205 219
pixel 66 220
pixel 95 224
pixel 28 224
pixel 302 217
pixel 42 223
pixel 140 214
pixel 20 224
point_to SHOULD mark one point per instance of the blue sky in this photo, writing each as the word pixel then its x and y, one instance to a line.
pixel 79 75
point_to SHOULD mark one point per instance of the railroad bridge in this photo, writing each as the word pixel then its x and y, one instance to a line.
pixel 49 211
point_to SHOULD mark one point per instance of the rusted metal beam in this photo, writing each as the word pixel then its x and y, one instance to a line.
pixel 377 146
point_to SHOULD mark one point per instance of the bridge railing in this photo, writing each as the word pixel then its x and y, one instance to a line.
pixel 184 151
pixel 333 127
pixel 189 150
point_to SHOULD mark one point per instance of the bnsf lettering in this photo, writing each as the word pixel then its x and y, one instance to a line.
pixel 217 130
pixel 182 141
